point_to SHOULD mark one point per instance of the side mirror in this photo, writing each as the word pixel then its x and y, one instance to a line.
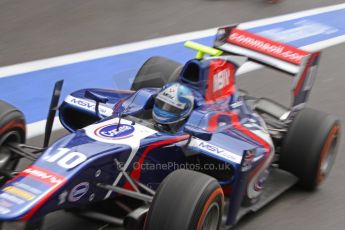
pixel 199 133
pixel 97 98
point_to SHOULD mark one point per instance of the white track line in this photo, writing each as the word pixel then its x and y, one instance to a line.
pixel 11 70
pixel 37 128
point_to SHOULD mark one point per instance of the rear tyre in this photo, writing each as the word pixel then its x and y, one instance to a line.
pixel 186 200
pixel 310 146
pixel 156 72
pixel 12 130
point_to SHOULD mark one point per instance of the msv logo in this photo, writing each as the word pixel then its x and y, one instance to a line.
pixel 83 103
pixel 115 131
pixel 42 175
pixel 211 148
pixel 215 150
pixel 90 106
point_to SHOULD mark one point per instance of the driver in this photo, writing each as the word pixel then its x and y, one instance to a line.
pixel 172 106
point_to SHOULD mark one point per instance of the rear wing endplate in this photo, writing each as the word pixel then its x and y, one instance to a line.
pixel 301 64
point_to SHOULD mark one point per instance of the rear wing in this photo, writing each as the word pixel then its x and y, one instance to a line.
pixel 300 64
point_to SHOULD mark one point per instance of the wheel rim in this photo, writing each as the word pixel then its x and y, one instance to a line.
pixel 328 155
pixel 211 218
pixel 9 137
pixel 327 164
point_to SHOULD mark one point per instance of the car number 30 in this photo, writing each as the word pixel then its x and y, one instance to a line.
pixel 66 158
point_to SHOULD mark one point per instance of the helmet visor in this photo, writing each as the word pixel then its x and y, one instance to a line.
pixel 168 107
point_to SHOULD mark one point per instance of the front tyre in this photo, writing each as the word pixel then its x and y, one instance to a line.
pixel 12 131
pixel 186 200
pixel 310 147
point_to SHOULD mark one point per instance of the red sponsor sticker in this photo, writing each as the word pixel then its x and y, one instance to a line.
pixel 42 175
pixel 263 45
pixel 221 79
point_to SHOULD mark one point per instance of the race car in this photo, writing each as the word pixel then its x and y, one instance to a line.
pixel 184 148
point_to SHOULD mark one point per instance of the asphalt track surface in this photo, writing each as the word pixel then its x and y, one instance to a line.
pixel 38 29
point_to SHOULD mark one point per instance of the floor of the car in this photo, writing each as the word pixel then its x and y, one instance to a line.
pixel 278 182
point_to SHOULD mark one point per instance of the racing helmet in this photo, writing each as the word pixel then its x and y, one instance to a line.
pixel 173 104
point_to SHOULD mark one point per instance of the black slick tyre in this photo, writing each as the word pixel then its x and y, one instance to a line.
pixel 12 130
pixel 186 200
pixel 310 146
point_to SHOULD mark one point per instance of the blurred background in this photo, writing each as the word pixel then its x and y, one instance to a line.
pixel 39 29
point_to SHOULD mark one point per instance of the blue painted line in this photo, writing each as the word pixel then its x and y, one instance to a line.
pixel 31 92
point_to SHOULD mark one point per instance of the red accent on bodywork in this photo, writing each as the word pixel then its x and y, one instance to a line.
pixel 135 174
pixel 221 79
pixel 55 185
pixel 213 122
pixel 50 178
pixel 118 104
pixel 237 124
pixel 213 125
pixel 252 135
pixel 266 46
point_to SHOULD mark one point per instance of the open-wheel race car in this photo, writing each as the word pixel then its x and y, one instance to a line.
pixel 182 149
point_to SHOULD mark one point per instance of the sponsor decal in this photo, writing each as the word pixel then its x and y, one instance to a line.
pixel 236 104
pixel 215 150
pixel 247 160
pixel 5 203
pixel 98 173
pixel 172 101
pixel 4 210
pixel 115 131
pixel 12 198
pixel 5 206
pixel 169 94
pixel 27 188
pixel 259 185
pixel 266 46
pixel 78 191
pixel 19 192
pixel 42 175
pixel 63 197
pixel 254 126
pixel 88 105
pixel 92 197
pixel 221 80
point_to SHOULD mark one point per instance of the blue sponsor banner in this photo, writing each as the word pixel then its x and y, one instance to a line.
pixel 306 30
pixel 31 92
